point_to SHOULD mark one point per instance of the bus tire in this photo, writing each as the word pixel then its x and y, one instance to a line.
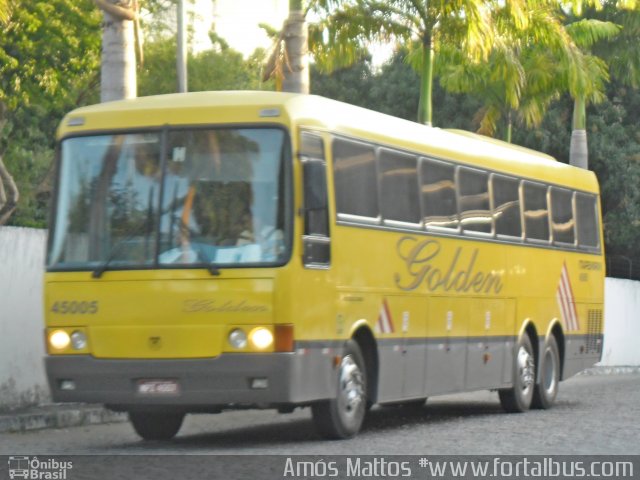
pixel 342 416
pixel 156 425
pixel 545 392
pixel 518 398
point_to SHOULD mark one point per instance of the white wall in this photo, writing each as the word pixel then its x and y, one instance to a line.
pixel 621 323
pixel 22 378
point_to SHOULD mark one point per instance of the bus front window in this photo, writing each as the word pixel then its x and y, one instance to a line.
pixel 213 196
pixel 109 187
pixel 224 197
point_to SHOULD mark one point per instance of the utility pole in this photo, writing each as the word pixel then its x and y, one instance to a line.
pixel 181 54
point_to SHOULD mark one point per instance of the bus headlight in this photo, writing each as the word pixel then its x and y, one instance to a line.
pixel 261 338
pixel 78 340
pixel 237 338
pixel 59 339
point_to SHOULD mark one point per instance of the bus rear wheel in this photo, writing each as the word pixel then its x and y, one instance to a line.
pixel 156 425
pixel 518 398
pixel 342 416
pixel 545 392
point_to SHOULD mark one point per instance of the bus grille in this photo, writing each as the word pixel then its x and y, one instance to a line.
pixel 594 331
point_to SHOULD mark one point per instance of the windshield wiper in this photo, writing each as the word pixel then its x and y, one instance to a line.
pixel 104 266
pixel 211 267
pixel 213 270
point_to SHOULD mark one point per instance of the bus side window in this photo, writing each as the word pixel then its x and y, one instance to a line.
pixel 316 251
pixel 355 178
pixel 587 220
pixel 438 194
pixel 562 223
pixel 506 206
pixel 473 200
pixel 536 212
pixel 398 186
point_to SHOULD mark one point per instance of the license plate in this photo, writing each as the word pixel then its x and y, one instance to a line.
pixel 158 387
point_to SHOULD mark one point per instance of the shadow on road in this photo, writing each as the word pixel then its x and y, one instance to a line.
pixel 283 431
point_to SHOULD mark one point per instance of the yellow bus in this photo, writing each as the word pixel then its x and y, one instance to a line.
pixel 228 250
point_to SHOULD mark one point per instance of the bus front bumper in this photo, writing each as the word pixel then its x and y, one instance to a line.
pixel 240 380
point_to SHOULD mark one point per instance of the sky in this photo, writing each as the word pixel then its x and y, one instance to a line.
pixel 237 22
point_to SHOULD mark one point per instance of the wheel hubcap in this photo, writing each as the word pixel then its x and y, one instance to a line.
pixel 351 396
pixel 526 370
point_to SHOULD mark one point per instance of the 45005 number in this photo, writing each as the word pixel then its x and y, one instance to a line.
pixel 75 307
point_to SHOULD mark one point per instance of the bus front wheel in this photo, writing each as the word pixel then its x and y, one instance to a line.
pixel 518 398
pixel 342 416
pixel 156 425
pixel 545 392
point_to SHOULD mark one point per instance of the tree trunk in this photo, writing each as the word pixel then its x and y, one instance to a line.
pixel 118 66
pixel 296 33
pixel 425 109
pixel 9 193
pixel 181 52
pixel 578 150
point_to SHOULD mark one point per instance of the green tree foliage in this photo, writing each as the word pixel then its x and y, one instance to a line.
pixel 614 153
pixel 394 89
pixel 351 85
pixel 425 27
pixel 49 59
pixel 221 68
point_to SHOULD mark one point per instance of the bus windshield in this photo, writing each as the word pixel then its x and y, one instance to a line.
pixel 183 197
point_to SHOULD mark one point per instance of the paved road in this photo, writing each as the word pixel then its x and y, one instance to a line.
pixel 594 415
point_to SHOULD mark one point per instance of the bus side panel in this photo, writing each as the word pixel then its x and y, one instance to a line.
pixel 447 339
pixel 488 358
pixel 566 288
pixel 583 351
pixel 400 325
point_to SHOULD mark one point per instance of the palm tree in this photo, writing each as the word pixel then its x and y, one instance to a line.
pixel 585 34
pixel 289 59
pixel 529 67
pixel 425 26
pixel 118 65
pixel 296 36
pixel 618 49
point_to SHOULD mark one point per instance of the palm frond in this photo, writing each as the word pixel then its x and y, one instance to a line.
pixel 271 32
pixel 339 39
pixel 488 118
pixel 5 11
pixel 578 6
pixel 587 32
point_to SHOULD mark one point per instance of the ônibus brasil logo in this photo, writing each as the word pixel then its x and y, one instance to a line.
pixel 35 469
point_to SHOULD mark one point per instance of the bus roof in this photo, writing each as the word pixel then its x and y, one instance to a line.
pixel 256 107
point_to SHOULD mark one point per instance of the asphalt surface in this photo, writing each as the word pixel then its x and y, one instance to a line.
pixel 593 415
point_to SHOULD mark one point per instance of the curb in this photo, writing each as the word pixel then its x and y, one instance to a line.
pixel 58 416
pixel 607 370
